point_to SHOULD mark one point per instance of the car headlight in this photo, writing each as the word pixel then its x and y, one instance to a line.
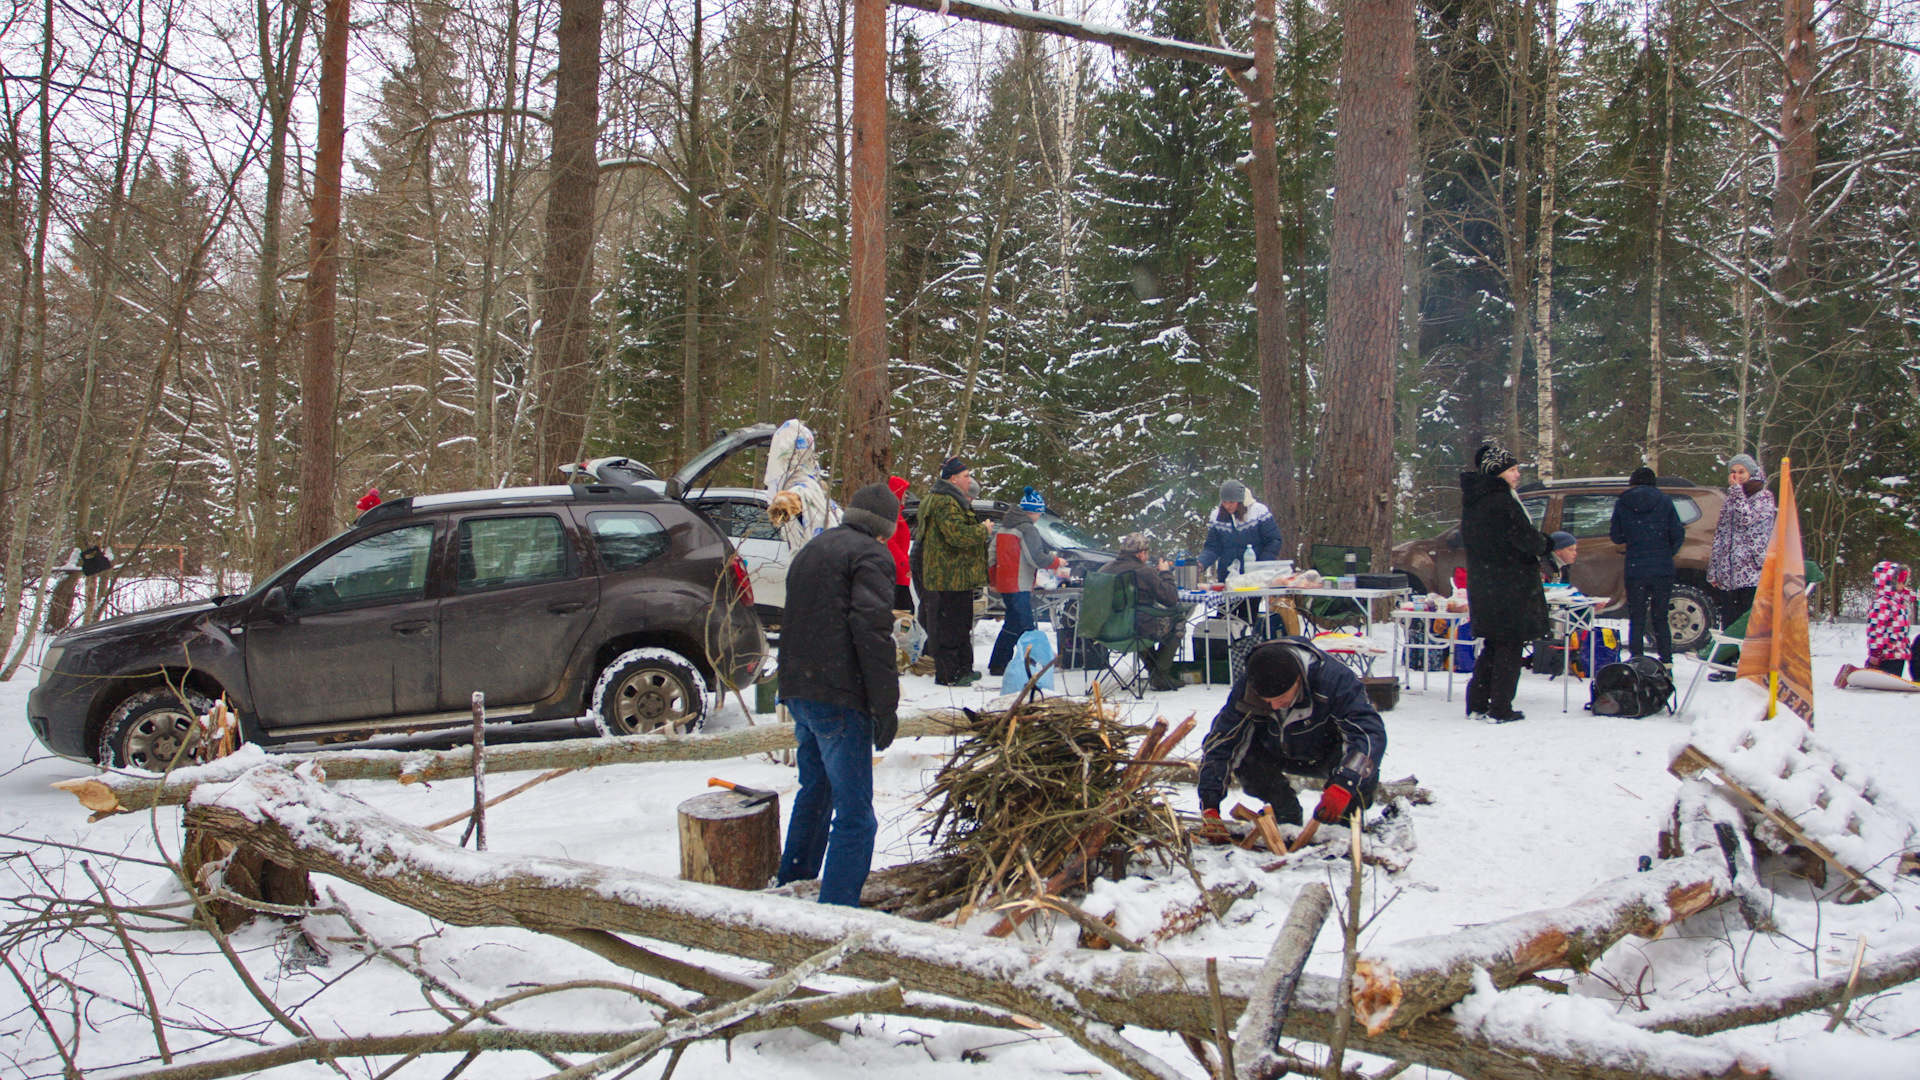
pixel 50 662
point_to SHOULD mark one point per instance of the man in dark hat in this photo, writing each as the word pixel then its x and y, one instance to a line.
pixel 1556 566
pixel 838 679
pixel 1646 522
pixel 1296 710
pixel 953 563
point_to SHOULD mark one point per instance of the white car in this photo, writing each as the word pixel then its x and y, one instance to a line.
pixel 741 513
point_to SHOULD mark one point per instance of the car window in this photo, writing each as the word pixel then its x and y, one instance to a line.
pixel 1688 509
pixel 1059 534
pixel 743 520
pixel 506 551
pixel 383 568
pixel 1537 510
pixel 627 539
pixel 1587 515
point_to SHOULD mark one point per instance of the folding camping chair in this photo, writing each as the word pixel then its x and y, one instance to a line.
pixel 1113 595
pixel 1722 643
pixel 1333 612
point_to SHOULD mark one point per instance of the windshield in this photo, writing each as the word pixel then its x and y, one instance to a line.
pixel 1059 534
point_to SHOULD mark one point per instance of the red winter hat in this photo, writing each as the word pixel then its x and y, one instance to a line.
pixel 368 501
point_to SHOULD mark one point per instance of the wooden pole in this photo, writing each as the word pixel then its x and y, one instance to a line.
pixel 477 828
pixel 869 444
pixel 314 521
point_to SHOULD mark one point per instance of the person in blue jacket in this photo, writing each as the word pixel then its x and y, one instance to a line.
pixel 1644 519
pixel 1296 710
pixel 1238 521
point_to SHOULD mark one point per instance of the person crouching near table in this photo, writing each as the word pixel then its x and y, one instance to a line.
pixel 1295 710
pixel 1503 581
pixel 837 678
pixel 1152 587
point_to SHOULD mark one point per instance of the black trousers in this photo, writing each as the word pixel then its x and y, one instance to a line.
pixel 903 598
pixel 1738 602
pixel 1647 602
pixel 949 618
pixel 1496 674
pixel 1262 776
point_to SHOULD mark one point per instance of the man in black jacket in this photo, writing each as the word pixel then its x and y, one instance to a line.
pixel 1295 710
pixel 1645 520
pixel 838 680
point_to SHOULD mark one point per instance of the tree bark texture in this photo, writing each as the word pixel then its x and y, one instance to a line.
pixel 319 375
pixel 1793 175
pixel 1546 415
pixel 566 278
pixel 867 455
pixel 1400 984
pixel 278 69
pixel 1656 302
pixel 1085 994
pixel 1353 468
pixel 1277 479
pixel 723 842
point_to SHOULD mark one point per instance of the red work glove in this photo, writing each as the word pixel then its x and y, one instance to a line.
pixel 1333 805
pixel 368 501
pixel 1211 814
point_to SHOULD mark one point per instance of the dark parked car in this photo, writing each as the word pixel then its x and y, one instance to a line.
pixel 553 601
pixel 1584 507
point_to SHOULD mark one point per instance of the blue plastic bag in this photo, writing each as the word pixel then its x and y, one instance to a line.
pixel 1463 652
pixel 1030 654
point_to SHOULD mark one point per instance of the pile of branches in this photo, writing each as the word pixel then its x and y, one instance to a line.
pixel 1037 799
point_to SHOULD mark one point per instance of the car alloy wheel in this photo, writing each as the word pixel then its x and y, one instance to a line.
pixel 1691 616
pixel 649 691
pixel 153 730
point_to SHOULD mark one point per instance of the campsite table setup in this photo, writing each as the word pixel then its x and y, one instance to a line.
pixel 1217 600
pixel 1573 612
pixel 1403 654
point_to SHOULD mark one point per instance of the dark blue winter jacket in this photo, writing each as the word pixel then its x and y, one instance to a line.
pixel 1228 537
pixel 1309 739
pixel 1646 522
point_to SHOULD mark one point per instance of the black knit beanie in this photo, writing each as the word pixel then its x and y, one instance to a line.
pixel 1643 477
pixel 1272 671
pixel 1494 460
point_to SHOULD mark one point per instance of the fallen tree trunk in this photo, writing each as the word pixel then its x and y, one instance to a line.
pixel 1087 995
pixel 1765 1008
pixel 112 792
pixel 1397 985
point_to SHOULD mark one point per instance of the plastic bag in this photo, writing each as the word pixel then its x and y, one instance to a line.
pixel 1030 654
pixel 909 640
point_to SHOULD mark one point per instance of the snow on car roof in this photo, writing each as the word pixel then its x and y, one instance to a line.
pixel 543 491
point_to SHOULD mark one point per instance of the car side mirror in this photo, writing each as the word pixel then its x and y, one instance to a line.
pixel 675 488
pixel 275 602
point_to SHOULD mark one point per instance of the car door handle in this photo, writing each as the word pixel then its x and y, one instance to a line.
pixel 567 607
pixel 410 626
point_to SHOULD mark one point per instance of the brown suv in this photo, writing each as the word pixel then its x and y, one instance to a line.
pixel 554 601
pixel 1584 507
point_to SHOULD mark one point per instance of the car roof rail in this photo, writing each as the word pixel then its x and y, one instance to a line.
pixel 1600 481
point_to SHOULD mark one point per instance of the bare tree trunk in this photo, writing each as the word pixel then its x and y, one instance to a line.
pixel 1277 476
pixel 868 453
pixel 499 203
pixel 279 74
pixel 776 222
pixel 1656 356
pixel 983 314
pixel 1547 417
pixel 696 242
pixel 1353 469
pixel 319 376
pixel 1799 112
pixel 1521 183
pixel 566 287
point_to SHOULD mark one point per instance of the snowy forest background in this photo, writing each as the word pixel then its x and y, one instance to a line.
pixel 1070 257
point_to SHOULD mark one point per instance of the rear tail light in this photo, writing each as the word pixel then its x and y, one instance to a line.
pixel 741 580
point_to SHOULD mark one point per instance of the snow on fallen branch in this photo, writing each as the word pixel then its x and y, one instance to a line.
pixel 1089 996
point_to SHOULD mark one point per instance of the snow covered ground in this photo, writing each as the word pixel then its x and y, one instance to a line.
pixel 1525 816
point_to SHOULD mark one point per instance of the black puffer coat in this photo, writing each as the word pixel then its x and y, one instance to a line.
pixel 1503 561
pixel 1645 520
pixel 836 642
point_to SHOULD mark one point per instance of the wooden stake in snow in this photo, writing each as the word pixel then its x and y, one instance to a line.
pixel 477 828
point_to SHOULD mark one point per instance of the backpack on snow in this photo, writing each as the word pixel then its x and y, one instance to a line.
pixel 1636 688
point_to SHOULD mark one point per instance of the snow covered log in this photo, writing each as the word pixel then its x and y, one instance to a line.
pixel 1401 983
pixel 117 792
pixel 1088 995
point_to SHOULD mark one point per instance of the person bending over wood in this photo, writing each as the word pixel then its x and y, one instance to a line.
pixel 838 679
pixel 1295 710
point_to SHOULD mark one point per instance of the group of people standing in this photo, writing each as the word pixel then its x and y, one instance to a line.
pixel 1507 557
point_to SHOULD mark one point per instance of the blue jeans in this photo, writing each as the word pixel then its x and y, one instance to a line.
pixel 836 780
pixel 1020 619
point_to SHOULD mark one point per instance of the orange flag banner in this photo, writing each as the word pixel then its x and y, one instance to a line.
pixel 1776 652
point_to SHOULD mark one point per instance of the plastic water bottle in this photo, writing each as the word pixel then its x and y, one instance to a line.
pixel 1248 558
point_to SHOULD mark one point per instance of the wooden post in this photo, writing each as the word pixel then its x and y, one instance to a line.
pixel 477 828
pixel 726 841
pixel 868 452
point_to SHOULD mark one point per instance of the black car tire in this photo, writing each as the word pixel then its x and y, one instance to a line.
pixel 1693 616
pixel 145 730
pixel 649 691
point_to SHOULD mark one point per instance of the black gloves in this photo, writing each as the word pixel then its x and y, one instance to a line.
pixel 884 728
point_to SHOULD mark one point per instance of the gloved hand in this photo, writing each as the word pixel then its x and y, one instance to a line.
pixel 1211 813
pixel 1333 803
pixel 884 729
pixel 1211 825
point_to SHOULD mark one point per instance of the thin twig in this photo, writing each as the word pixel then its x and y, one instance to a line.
pixel 133 957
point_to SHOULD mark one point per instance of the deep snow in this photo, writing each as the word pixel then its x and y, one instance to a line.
pixel 1525 816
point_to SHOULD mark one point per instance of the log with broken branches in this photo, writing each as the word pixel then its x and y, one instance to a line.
pixel 1087 995
pixel 1258 1035
pixel 1399 984
pixel 120 792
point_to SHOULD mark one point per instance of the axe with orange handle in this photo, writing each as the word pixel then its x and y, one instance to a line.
pixel 754 796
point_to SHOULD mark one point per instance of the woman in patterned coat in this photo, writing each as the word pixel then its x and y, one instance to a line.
pixel 1740 540
pixel 1887 645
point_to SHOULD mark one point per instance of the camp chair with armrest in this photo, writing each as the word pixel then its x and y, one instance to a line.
pixel 1107 616
pixel 1337 611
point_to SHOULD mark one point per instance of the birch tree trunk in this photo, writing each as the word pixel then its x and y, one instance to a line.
pixel 1353 468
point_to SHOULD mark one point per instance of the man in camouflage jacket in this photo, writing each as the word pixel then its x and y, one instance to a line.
pixel 953 563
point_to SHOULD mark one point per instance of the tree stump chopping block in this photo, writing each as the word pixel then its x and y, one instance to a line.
pixel 724 841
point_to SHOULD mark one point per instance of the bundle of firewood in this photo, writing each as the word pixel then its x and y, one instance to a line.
pixel 1035 801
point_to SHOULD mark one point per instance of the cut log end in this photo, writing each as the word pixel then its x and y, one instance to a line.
pixel 92 794
pixel 1376 994
pixel 724 841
